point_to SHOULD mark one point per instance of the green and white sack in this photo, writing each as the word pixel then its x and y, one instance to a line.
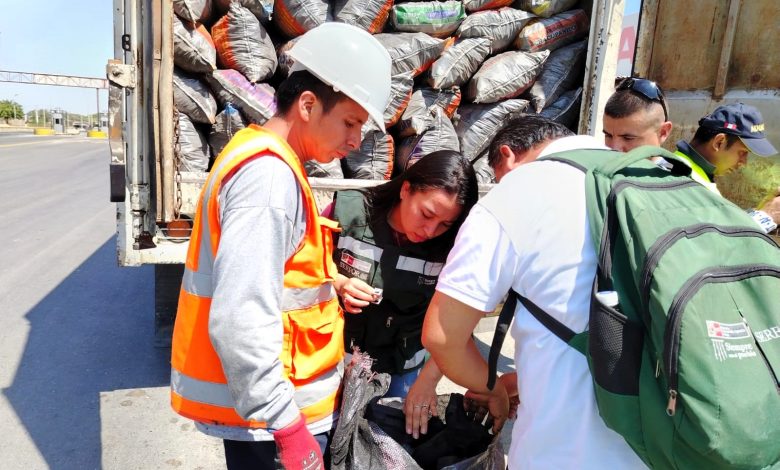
pixel 439 19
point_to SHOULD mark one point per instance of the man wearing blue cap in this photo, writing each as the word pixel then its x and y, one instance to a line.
pixel 721 145
pixel 723 141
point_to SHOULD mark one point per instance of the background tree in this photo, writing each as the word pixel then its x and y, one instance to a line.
pixel 9 108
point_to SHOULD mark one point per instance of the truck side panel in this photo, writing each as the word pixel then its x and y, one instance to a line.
pixel 705 53
pixel 692 35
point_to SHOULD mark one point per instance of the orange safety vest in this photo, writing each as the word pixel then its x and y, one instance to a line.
pixel 312 349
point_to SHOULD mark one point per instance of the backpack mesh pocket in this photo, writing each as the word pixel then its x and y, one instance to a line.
pixel 615 346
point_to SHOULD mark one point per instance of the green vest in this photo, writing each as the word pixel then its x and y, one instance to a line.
pixel 389 331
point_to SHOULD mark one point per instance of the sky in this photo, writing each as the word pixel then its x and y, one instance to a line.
pixel 632 6
pixel 73 37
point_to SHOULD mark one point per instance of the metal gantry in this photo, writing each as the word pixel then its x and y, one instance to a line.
pixel 50 79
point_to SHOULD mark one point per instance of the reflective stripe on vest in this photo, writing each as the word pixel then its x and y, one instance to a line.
pixel 292 298
pixel 312 345
pixel 419 266
pixel 698 174
pixel 216 398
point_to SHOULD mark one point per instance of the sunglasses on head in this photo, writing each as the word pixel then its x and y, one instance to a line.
pixel 647 88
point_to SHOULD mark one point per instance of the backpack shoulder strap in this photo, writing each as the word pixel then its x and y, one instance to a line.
pixel 610 162
pixel 578 341
pixel 621 161
pixel 557 328
pixel 583 160
pixel 504 320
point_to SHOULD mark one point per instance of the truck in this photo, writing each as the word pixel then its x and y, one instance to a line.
pixel 702 52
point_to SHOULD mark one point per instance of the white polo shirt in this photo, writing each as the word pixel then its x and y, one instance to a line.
pixel 558 425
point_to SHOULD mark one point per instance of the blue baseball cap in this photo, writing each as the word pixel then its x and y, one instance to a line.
pixel 744 121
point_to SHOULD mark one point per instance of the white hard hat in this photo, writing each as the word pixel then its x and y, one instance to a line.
pixel 349 59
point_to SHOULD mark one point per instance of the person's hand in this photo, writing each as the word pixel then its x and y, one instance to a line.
pixel 499 404
pixel 772 208
pixel 509 380
pixel 420 405
pixel 298 450
pixel 354 293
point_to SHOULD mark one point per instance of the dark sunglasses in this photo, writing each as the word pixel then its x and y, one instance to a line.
pixel 647 88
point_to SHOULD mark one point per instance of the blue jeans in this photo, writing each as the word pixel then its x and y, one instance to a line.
pixel 401 383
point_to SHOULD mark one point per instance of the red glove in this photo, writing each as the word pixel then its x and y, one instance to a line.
pixel 298 450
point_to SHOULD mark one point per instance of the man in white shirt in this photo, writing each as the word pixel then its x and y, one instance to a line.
pixel 531 234
pixel 521 140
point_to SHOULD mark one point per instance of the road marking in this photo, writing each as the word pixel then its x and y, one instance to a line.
pixel 58 141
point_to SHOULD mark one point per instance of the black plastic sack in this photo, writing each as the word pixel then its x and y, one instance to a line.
pixel 192 10
pixel 260 8
pixel 484 173
pixel 561 72
pixel 371 435
pixel 461 443
pixel 401 87
pixel 375 157
pixel 295 17
pixel 505 75
pixel 411 52
pixel 193 149
pixel 255 101
pixel 285 61
pixel 243 44
pixel 459 62
pixel 193 98
pixel 501 27
pixel 359 444
pixel 316 169
pixel 228 122
pixel 193 48
pixel 438 134
pixel 566 109
pixel 478 124
pixel 370 15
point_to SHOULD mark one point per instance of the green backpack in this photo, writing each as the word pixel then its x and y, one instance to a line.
pixel 683 341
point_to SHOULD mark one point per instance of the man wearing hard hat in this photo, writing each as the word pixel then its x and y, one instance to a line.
pixel 258 341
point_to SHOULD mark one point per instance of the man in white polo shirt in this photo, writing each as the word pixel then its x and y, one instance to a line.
pixel 530 233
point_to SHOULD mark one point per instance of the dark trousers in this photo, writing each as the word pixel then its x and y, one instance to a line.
pixel 261 455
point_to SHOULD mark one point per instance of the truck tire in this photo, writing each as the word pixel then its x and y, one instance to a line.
pixel 167 282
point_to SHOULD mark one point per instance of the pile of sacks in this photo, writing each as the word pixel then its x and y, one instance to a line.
pixel 461 69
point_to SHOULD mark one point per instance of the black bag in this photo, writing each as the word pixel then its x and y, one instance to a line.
pixel 372 435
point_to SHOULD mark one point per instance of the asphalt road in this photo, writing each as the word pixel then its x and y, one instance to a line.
pixel 82 385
